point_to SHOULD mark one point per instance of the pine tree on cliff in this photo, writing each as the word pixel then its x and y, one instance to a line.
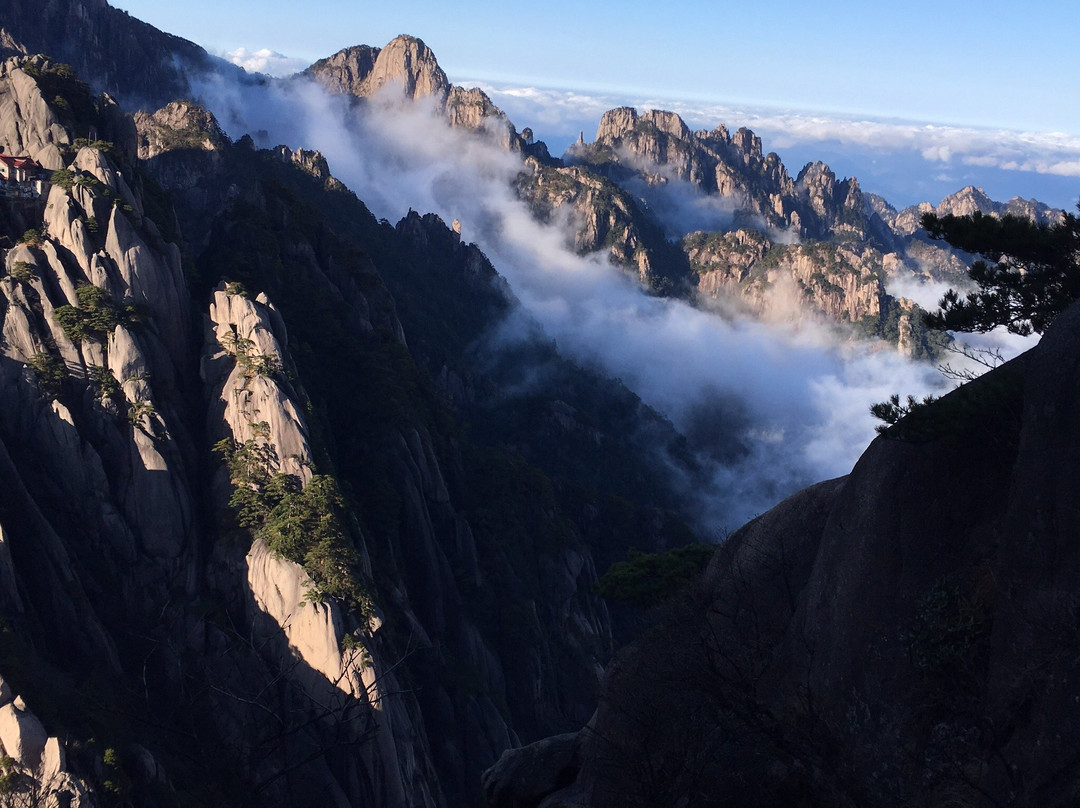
pixel 1033 272
pixel 1034 276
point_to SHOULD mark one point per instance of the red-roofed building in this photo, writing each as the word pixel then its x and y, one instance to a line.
pixel 21 176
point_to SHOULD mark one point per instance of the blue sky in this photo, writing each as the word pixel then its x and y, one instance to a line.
pixel 974 65
pixel 981 63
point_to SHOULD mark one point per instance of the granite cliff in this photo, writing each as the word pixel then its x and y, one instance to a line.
pixel 246 530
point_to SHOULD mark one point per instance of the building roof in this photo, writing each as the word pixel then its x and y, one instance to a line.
pixel 19 162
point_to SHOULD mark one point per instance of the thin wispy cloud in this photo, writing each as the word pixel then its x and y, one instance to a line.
pixel 557 110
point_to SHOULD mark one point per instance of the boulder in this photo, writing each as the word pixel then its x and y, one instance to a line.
pixel 523 777
pixel 22 735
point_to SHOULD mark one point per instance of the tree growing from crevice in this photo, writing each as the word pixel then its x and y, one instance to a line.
pixel 304 524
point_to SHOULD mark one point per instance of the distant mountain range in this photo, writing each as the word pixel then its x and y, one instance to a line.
pixel 640 167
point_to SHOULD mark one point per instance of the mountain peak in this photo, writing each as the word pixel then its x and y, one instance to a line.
pixel 362 70
pixel 410 66
pixel 621 121
pixel 408 60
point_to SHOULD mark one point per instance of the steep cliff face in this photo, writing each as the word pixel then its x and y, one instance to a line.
pixel 344 674
pixel 126 58
pixel 874 640
pixel 29 125
pixel 98 462
pixel 237 509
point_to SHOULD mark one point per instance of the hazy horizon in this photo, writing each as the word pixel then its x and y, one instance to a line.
pixel 906 162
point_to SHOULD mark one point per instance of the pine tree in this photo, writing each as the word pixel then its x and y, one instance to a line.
pixel 1032 272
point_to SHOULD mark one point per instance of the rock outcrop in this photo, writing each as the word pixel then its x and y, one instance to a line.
pixel 407 68
pixel 28 125
pixel 178 125
pixel 35 768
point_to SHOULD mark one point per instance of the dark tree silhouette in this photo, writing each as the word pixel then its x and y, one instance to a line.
pixel 1032 272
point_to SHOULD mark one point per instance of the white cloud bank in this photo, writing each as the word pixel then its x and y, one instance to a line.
pixel 266 61
pixel 560 113
pixel 796 398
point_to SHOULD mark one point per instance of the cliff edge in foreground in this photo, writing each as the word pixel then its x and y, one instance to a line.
pixel 906 635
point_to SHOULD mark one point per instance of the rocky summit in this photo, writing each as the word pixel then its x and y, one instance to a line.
pixel 407 68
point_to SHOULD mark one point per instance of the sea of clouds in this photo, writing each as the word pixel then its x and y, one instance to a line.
pixel 904 161
pixel 794 395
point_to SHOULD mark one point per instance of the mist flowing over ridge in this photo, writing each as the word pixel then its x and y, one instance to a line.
pixel 119 54
pixel 795 399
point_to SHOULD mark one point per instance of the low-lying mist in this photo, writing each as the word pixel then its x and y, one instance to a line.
pixel 795 396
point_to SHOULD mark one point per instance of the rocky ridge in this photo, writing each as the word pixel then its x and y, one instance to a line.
pixel 838 273
pixel 965 202
pixel 128 354
pixel 813 246
pixel 123 56
pixel 659 146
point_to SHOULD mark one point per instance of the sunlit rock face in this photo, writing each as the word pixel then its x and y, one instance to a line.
pixel 407 69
